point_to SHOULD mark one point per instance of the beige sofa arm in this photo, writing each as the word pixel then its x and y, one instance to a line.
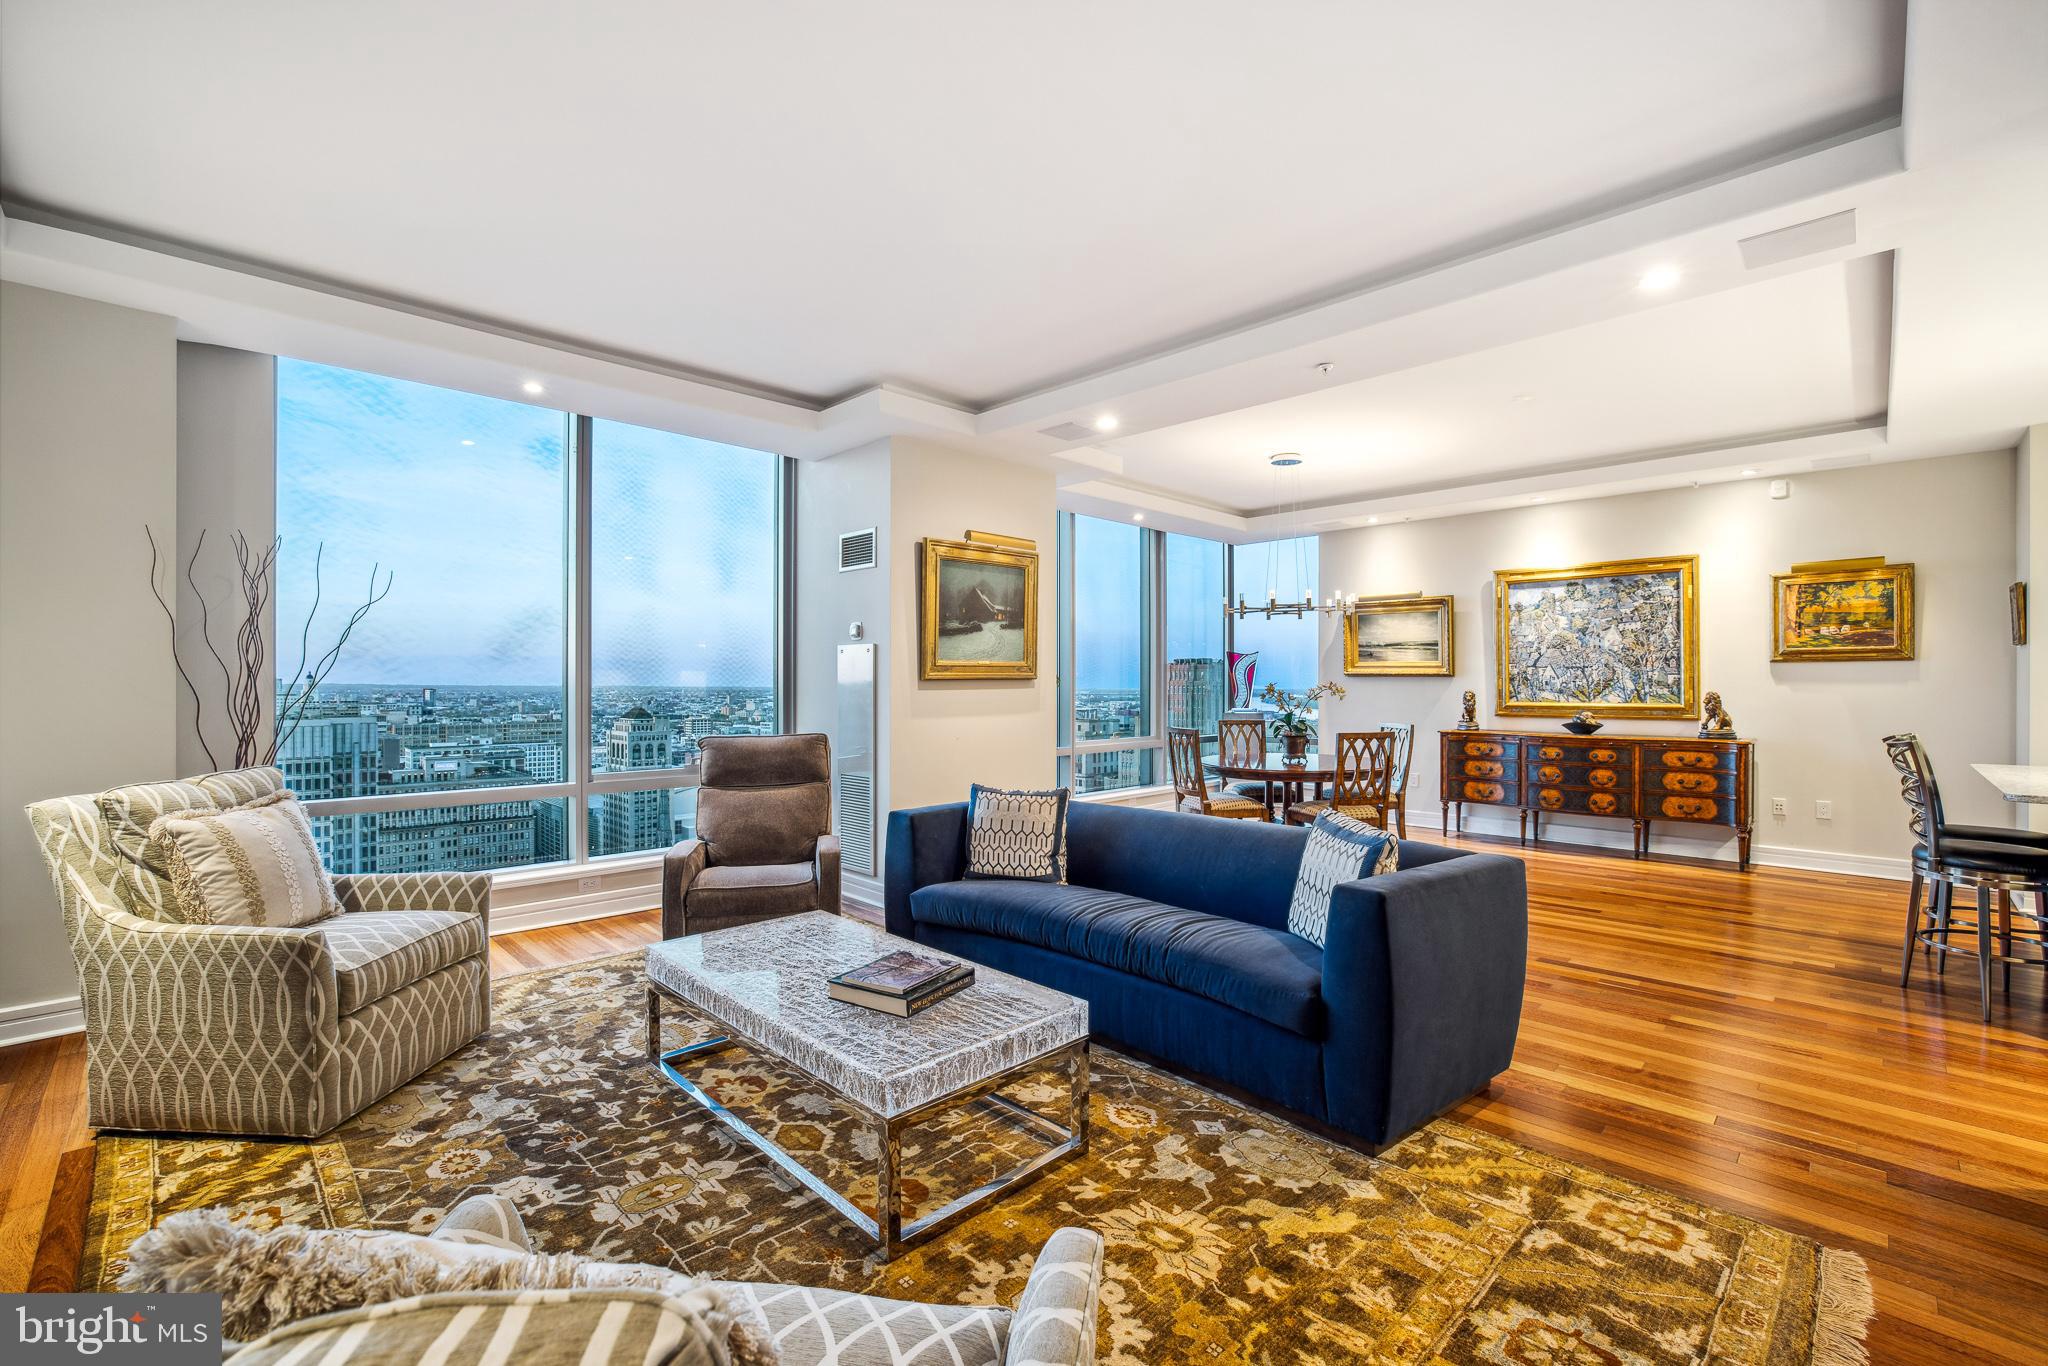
pixel 463 892
pixel 150 983
pixel 1055 1322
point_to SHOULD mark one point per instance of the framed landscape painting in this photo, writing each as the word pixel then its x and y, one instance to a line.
pixel 1619 639
pixel 1850 614
pixel 1394 636
pixel 977 610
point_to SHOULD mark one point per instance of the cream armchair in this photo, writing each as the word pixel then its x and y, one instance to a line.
pixel 244 1029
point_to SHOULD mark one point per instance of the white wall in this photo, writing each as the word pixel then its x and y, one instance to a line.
pixel 932 739
pixel 227 482
pixel 2030 566
pixel 1816 726
pixel 945 735
pixel 88 700
pixel 849 492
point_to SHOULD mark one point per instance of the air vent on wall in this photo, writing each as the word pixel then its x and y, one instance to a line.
pixel 1068 431
pixel 854 809
pixel 857 550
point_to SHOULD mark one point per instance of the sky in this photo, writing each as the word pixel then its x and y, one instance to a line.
pixel 1108 625
pixel 464 500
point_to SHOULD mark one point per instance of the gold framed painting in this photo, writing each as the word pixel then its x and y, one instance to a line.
pixel 1619 638
pixel 1857 613
pixel 1395 636
pixel 977 610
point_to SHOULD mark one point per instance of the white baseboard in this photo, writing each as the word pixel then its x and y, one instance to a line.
pixel 41 1020
pixel 864 892
pixel 577 906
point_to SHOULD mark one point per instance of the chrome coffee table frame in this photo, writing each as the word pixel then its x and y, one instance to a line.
pixel 886 1227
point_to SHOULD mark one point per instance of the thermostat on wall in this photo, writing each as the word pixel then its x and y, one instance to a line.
pixel 1781 488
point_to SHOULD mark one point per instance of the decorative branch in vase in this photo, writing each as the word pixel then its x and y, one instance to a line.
pixel 242 681
pixel 1294 714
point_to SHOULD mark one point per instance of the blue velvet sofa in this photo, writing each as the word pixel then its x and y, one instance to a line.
pixel 1174 929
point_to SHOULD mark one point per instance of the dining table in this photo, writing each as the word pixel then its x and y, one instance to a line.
pixel 1289 775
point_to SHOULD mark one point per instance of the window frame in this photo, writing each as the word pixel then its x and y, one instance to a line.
pixel 582 783
pixel 1152 589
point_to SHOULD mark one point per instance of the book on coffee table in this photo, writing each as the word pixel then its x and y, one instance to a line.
pixel 901 983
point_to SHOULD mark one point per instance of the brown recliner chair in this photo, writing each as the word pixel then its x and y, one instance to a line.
pixel 764 845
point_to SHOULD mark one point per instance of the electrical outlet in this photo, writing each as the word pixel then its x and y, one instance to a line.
pixel 1777 806
pixel 593 883
pixel 1823 811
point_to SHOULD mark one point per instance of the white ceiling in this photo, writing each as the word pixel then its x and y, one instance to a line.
pixel 1801 351
pixel 804 226
pixel 972 201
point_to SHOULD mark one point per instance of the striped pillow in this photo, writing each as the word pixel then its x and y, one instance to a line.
pixel 254 865
pixel 489 1328
pixel 1339 849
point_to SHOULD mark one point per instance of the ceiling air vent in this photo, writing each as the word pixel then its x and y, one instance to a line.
pixel 1069 431
pixel 857 550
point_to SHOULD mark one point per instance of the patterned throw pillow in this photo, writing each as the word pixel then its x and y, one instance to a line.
pixel 1340 849
pixel 1242 668
pixel 143 885
pixel 254 865
pixel 1017 835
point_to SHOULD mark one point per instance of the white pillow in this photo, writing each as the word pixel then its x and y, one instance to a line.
pixel 1340 849
pixel 255 864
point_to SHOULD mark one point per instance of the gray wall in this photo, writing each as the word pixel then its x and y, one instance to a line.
pixel 1816 726
pixel 88 454
pixel 227 482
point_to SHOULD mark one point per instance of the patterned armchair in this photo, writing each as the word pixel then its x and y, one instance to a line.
pixel 251 1029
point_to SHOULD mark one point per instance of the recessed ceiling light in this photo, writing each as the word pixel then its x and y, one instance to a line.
pixel 1106 423
pixel 1137 516
pixel 1371 521
pixel 1751 474
pixel 1523 398
pixel 1657 279
pixel 534 386
pixel 1537 499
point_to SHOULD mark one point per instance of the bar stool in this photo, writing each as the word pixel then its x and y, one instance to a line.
pixel 1988 860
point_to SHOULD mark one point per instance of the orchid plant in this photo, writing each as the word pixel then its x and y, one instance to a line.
pixel 1293 712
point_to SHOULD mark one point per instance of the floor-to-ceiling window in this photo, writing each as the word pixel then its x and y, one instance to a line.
pixel 1289 648
pixel 571 606
pixel 1142 648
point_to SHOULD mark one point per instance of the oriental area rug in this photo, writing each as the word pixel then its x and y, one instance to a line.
pixel 1232 1236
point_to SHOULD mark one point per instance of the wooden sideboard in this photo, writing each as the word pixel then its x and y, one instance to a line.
pixel 1635 778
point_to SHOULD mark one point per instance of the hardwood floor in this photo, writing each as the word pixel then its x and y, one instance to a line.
pixel 1739 1038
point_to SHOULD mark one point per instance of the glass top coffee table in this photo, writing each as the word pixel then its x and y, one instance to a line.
pixel 765 986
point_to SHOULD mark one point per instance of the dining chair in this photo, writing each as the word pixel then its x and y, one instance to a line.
pixel 1992 861
pixel 1191 792
pixel 1397 792
pixel 1364 776
pixel 1242 740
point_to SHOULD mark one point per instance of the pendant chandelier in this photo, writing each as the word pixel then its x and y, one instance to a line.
pixel 1286 468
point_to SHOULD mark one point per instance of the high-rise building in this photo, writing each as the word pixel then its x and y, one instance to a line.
pixel 1194 693
pixel 627 822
